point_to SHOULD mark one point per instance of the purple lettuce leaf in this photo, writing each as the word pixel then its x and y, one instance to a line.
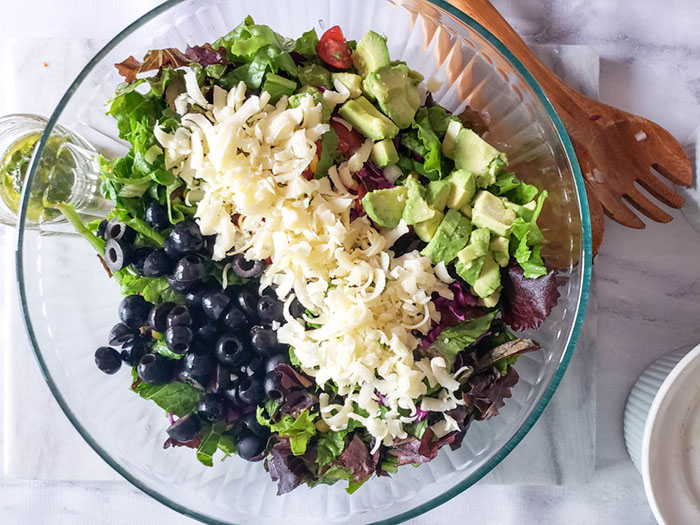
pixel 296 389
pixel 357 459
pixel 288 470
pixel 527 302
pixel 206 55
pixel 488 391
pixel 372 178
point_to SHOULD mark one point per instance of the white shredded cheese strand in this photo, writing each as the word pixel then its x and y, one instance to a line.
pixel 246 158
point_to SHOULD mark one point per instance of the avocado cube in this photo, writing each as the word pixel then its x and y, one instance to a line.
pixel 470 271
pixel 395 93
pixel 437 193
pixel 367 119
pixel 351 81
pixel 499 249
pixel 463 188
pixel 491 300
pixel 450 237
pixel 521 210
pixel 466 210
pixel 426 229
pixel 385 207
pixel 371 53
pixel 448 143
pixel 416 210
pixel 488 211
pixel 384 153
pixel 278 87
pixel 478 246
pixel 489 279
pixel 315 75
pixel 472 153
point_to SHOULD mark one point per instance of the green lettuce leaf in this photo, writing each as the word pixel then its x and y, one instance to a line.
pixel 329 152
pixel 526 238
pixel 513 189
pixel 211 434
pixel 299 430
pixel 329 446
pixel 161 347
pixel 175 398
pixel 227 445
pixel 431 142
pixel 154 289
pixel 307 44
pixel 452 341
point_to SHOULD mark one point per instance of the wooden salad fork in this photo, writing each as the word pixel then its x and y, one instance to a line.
pixel 618 152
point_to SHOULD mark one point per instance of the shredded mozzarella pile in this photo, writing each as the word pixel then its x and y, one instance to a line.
pixel 246 158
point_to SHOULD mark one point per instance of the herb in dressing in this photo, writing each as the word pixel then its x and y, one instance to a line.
pixel 54 180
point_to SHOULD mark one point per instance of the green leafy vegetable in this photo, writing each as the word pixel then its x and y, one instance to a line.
pixel 72 216
pixel 227 445
pixel 307 44
pixel 293 358
pixel 299 430
pixel 329 446
pixel 329 152
pixel 154 289
pixel 162 348
pixel 431 142
pixel 516 191
pixel 452 341
pixel 440 119
pixel 211 434
pixel 176 398
pixel 525 242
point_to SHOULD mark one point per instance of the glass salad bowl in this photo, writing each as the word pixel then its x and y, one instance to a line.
pixel 69 302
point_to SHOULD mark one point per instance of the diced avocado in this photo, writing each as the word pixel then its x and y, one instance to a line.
pixel 488 211
pixel 448 143
pixel 351 81
pixel 315 75
pixel 316 96
pixel 367 119
pixel 472 153
pixel 395 93
pixel 416 210
pixel 499 249
pixel 371 54
pixel 491 300
pixel 426 229
pixel 470 271
pixel 463 188
pixel 415 76
pixel 489 279
pixel 385 207
pixel 278 86
pixel 450 237
pixel 384 153
pixel 437 193
pixel 478 246
pixel 466 210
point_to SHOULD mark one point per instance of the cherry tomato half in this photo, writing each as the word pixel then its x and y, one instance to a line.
pixel 333 49
pixel 349 140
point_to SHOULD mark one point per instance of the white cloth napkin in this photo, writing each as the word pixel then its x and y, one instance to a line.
pixel 40 443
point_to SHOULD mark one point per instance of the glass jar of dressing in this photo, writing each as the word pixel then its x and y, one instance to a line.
pixel 67 173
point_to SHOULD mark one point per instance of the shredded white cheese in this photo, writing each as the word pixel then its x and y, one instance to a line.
pixel 246 158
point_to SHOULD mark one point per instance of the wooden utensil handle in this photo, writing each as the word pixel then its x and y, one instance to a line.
pixel 488 16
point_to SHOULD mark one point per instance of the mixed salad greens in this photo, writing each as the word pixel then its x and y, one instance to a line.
pixel 272 185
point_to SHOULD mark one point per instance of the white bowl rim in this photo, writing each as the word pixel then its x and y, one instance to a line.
pixel 653 494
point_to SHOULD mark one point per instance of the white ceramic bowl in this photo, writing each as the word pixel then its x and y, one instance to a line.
pixel 662 434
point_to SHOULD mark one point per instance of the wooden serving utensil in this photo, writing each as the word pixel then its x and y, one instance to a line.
pixel 618 152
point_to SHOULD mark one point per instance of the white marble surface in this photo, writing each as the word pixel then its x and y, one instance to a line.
pixel 647 282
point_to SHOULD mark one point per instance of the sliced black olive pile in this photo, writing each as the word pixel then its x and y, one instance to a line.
pixel 225 336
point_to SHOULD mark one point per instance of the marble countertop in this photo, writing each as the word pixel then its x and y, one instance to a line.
pixel 648 285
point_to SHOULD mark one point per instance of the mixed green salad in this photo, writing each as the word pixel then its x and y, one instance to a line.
pixel 321 266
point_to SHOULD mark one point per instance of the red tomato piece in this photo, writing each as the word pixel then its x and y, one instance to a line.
pixel 349 141
pixel 333 49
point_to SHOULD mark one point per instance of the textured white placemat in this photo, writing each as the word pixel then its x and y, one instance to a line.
pixel 39 441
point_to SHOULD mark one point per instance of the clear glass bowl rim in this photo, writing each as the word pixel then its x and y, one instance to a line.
pixel 460 487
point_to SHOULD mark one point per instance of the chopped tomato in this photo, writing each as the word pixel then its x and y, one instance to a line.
pixel 333 49
pixel 349 140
